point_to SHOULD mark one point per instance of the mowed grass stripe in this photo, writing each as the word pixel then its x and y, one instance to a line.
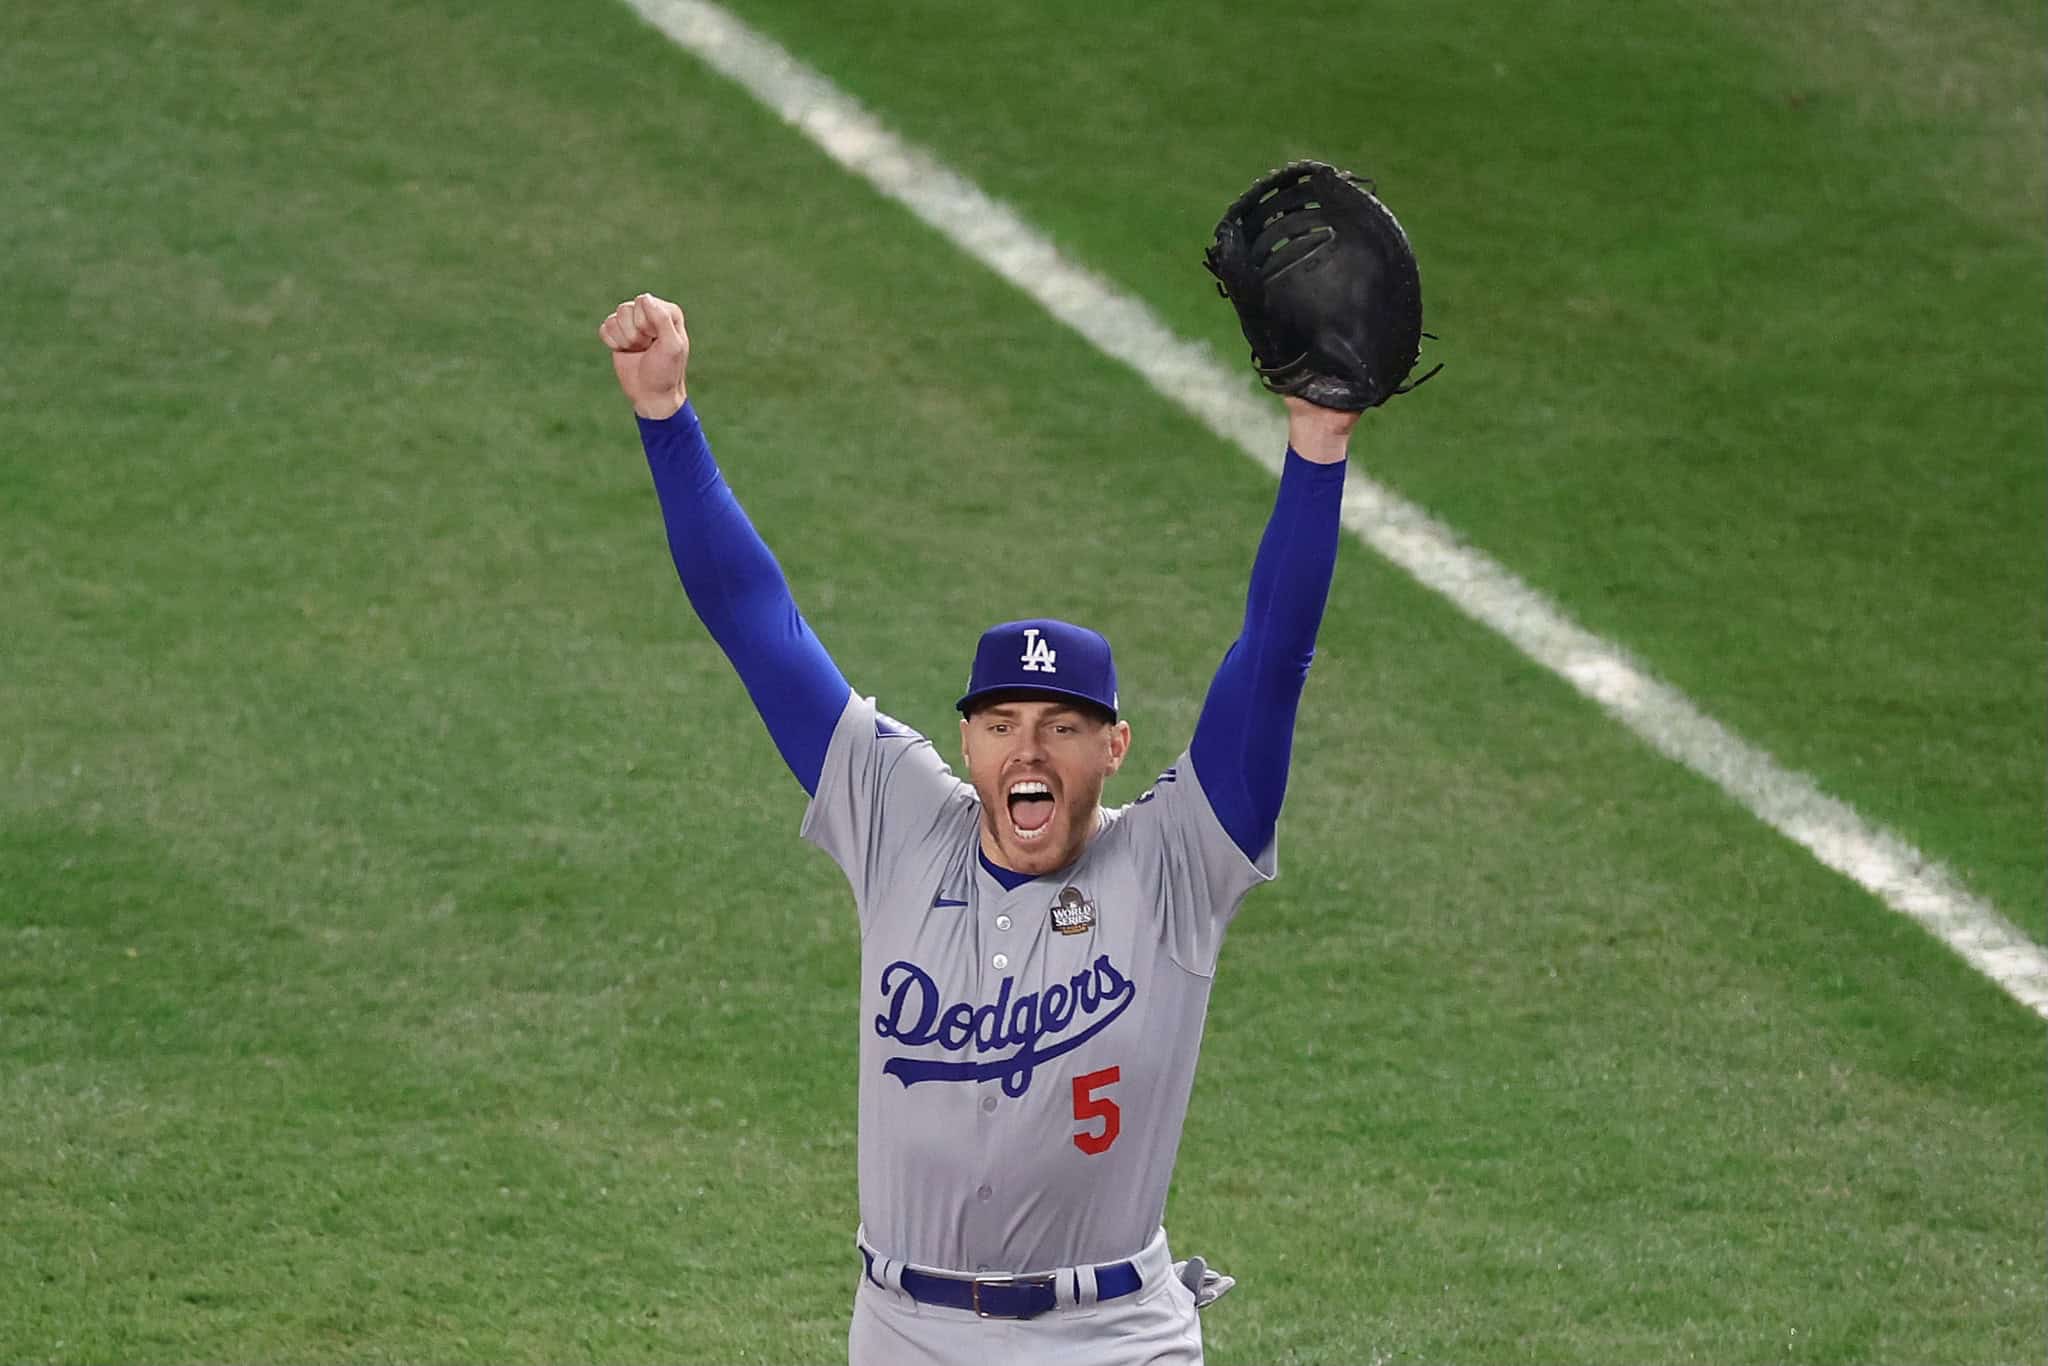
pixel 1188 373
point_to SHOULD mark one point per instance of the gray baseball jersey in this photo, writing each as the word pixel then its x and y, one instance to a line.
pixel 1026 1055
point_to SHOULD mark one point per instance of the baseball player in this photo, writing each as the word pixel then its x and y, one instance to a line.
pixel 1035 968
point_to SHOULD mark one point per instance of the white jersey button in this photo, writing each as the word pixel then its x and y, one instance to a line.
pixel 988 1104
pixel 984 1193
pixel 1001 960
pixel 1002 922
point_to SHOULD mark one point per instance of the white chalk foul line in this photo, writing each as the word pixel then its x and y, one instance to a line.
pixel 1192 376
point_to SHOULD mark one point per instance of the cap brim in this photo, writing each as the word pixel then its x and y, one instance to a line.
pixel 1012 693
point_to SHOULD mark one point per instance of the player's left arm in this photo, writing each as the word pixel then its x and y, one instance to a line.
pixel 1244 740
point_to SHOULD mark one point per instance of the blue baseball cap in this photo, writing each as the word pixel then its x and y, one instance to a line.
pixel 1042 658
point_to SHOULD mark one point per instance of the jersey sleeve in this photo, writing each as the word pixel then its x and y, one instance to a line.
pixel 883 795
pixel 740 595
pixel 1244 738
pixel 1191 866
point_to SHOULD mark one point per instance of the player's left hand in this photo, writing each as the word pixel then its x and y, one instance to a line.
pixel 650 353
pixel 1317 433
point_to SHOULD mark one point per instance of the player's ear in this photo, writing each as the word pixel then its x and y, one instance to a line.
pixel 966 764
pixel 1119 744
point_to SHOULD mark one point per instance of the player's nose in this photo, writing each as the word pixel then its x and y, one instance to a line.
pixel 1028 752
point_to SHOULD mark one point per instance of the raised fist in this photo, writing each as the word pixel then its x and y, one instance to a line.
pixel 650 351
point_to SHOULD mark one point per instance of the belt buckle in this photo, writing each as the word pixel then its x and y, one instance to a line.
pixel 974 1289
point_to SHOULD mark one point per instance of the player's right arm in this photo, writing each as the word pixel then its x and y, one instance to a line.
pixel 731 577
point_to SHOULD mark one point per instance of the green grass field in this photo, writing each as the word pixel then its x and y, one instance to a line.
pixel 405 949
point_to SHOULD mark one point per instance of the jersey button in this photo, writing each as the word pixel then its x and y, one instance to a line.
pixel 988 1105
pixel 1001 960
pixel 984 1193
pixel 1002 922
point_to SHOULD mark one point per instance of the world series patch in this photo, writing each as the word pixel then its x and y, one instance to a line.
pixel 1073 913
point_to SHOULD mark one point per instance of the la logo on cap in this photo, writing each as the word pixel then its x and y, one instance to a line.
pixel 1038 656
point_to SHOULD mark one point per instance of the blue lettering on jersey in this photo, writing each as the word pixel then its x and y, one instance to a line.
pixel 914 1015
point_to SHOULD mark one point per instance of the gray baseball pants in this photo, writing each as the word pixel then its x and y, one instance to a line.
pixel 1155 1326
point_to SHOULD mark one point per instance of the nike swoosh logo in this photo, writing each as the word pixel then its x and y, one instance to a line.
pixel 939 901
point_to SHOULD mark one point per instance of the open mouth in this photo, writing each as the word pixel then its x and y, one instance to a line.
pixel 1031 808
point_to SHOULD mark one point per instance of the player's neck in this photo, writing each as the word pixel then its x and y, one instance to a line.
pixel 1001 869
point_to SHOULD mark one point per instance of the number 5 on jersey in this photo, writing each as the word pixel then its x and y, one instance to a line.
pixel 1089 1107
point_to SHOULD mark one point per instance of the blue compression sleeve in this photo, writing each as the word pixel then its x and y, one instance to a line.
pixel 1245 736
pixel 742 598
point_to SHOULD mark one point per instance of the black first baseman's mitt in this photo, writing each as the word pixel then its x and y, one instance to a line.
pixel 1325 286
